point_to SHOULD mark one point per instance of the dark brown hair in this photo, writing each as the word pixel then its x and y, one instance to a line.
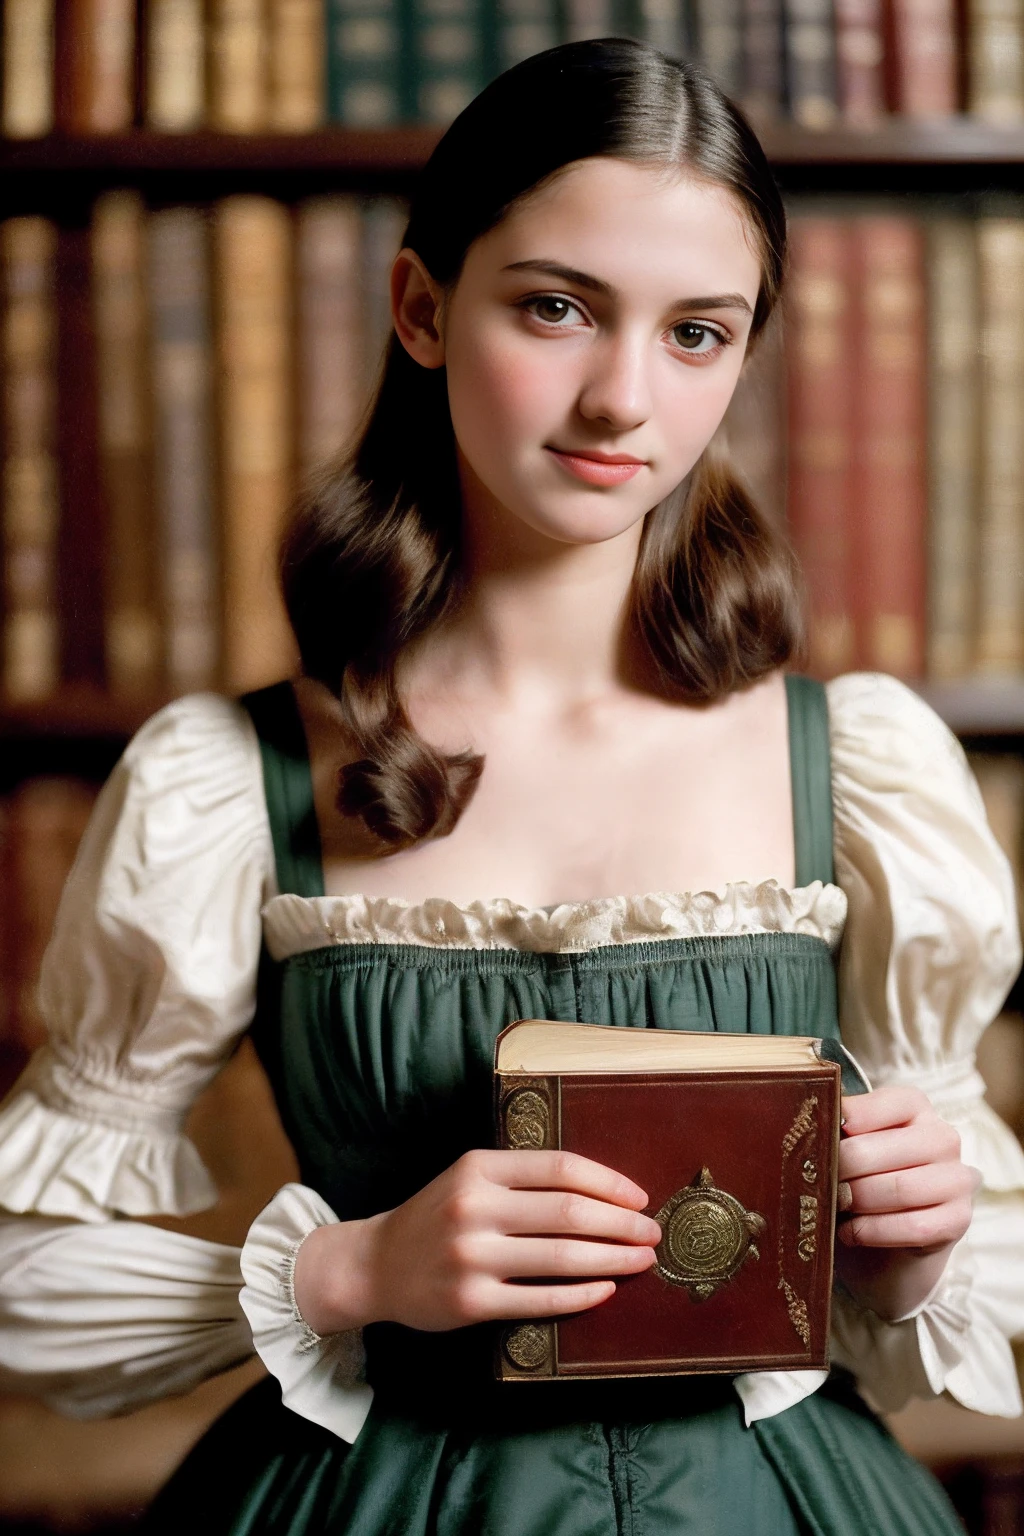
pixel 372 560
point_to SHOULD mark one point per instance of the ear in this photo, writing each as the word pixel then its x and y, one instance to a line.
pixel 415 309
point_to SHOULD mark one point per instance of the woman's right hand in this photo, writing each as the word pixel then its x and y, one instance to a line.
pixel 457 1252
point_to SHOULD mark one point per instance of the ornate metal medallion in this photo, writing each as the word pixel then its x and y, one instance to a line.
pixel 528 1346
pixel 706 1235
pixel 527 1119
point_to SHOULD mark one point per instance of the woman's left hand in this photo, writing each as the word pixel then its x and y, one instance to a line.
pixel 905 1198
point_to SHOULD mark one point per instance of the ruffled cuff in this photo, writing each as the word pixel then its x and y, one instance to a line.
pixel 55 1161
pixel 951 1343
pixel 321 1378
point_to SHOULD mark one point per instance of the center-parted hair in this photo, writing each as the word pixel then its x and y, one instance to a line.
pixel 372 560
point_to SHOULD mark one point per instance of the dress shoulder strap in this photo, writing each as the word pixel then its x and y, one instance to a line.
pixel 288 787
pixel 810 768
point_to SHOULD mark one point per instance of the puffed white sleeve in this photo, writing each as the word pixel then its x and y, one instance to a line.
pixel 146 987
pixel 930 949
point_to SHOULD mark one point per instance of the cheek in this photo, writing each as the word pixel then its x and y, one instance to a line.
pixel 501 396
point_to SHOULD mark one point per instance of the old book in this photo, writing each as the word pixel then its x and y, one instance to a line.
pixel 999 642
pixel 183 446
pixel 175 65
pixel 132 615
pixel 384 221
pixel 735 1139
pixel 718 29
pixel 31 654
pixel 924 58
pixel 365 75
pixel 28 43
pixel 860 61
pixel 239 86
pixel 890 465
pixel 330 367
pixel 754 430
pixel 46 820
pixel 95 65
pixel 522 28
pixel 254 352
pixel 296 65
pixel 446 45
pixel 820 328
pixel 995 31
pixel 954 441
pixel 764 86
pixel 810 62
pixel 663 24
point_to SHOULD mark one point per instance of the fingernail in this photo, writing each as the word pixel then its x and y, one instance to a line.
pixel 844 1196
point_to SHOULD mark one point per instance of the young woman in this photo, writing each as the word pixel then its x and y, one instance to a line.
pixel 544 760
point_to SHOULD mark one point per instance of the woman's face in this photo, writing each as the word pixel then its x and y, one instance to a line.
pixel 592 343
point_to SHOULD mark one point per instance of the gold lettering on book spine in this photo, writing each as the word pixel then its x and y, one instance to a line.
pixel 797 1310
pixel 803 1129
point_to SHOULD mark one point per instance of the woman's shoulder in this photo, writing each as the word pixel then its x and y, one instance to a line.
pixel 883 732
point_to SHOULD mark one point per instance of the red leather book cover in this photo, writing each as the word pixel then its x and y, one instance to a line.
pixel 740 1168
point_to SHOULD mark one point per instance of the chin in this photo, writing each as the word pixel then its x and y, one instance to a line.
pixel 593 525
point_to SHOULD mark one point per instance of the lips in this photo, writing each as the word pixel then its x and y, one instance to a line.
pixel 611 470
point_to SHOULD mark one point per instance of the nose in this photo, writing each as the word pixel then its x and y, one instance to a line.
pixel 617 389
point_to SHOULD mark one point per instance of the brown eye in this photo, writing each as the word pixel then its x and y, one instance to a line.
pixel 695 337
pixel 551 308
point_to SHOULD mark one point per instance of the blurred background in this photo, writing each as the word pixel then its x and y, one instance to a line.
pixel 201 201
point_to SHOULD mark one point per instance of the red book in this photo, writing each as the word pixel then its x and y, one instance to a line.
pixel 860 61
pixel 735 1139
pixel 890 469
pixel 923 63
pixel 819 337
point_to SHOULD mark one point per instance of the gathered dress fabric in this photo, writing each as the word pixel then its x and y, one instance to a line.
pixel 376 1020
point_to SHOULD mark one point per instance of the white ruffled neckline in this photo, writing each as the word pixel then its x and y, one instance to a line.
pixel 296 924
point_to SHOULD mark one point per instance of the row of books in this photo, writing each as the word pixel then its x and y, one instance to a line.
pixel 167 377
pixel 904 343
pixel 249 66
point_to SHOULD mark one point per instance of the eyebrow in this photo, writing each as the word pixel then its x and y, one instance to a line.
pixel 596 285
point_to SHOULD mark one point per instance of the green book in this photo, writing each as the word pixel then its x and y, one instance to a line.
pixel 364 63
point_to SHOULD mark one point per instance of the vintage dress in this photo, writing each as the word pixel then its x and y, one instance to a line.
pixel 376 1023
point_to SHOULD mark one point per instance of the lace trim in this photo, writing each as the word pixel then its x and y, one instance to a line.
pixel 295 924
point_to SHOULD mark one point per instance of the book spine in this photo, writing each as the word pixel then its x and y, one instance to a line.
pixel 238 66
pixel 954 326
pixel 1000 636
pixel 525 27
pixel 527 1119
pixel 860 61
pixel 331 365
pixel 95 66
pixel 81 529
pixel 132 616
pixel 995 30
pixel 446 56
pixel 181 350
pixel 364 62
pixel 764 83
pixel 718 25
pixel 819 330
pixel 890 458
pixel 176 65
pixel 253 267
pixel 384 221
pixel 755 429
pixel 30 490
pixel 296 65
pixel 925 59
pixel 810 62
pixel 28 64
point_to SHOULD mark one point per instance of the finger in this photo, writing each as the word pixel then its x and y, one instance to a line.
pixel 909 1146
pixel 526 1257
pixel 562 1170
pixel 934 1227
pixel 897 1104
pixel 552 1300
pixel 541 1211
pixel 910 1188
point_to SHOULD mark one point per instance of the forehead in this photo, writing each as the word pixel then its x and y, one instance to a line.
pixel 630 225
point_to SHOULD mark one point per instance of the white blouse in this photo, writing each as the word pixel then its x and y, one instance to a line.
pixel 149 982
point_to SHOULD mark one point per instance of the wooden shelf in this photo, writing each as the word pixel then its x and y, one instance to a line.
pixel 330 149
pixel 979 707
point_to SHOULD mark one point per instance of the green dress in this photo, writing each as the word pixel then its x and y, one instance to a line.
pixel 380 1058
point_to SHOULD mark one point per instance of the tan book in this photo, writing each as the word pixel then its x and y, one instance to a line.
pixel 96 65
pixel 28 61
pixel 175 65
pixel 239 97
pixel 131 608
pixel 297 86
pixel 46 820
pixel 995 31
pixel 954 325
pixel 329 300
pixel 183 442
pixel 254 332
pixel 31 661
pixel 999 647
